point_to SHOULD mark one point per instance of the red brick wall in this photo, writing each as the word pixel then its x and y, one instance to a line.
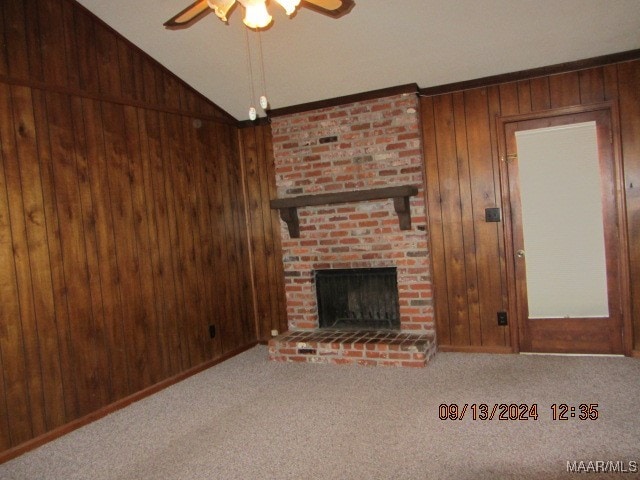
pixel 377 143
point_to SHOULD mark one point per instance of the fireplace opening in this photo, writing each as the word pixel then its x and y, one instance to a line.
pixel 358 299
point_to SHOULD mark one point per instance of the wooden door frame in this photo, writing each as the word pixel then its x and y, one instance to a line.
pixel 516 327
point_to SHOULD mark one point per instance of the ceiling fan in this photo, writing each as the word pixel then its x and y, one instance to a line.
pixel 256 15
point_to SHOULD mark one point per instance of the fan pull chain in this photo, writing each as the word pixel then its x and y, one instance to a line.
pixel 264 103
pixel 252 94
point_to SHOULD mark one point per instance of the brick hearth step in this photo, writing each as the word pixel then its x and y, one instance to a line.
pixel 358 347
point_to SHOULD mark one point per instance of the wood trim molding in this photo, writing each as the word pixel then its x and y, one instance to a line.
pixel 334 102
pixel 452 87
pixel 532 73
pixel 36 85
pixel 253 123
pixel 475 349
pixel 115 406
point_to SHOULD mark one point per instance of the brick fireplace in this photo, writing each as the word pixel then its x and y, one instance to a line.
pixel 353 149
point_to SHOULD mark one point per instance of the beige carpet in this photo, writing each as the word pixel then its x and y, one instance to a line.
pixel 248 418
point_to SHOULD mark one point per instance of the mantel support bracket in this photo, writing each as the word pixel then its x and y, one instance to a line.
pixel 290 216
pixel 288 207
pixel 403 209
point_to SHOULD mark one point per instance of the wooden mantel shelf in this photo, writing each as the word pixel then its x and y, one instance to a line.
pixel 288 207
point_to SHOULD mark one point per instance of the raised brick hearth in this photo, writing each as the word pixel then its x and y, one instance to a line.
pixel 368 348
pixel 360 146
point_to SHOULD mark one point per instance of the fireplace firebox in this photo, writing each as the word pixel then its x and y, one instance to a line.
pixel 358 299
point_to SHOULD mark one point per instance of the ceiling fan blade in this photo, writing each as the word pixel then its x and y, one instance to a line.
pixel 333 8
pixel 188 15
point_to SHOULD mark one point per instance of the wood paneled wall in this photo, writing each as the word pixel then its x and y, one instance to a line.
pixel 264 230
pixel 122 221
pixel 462 176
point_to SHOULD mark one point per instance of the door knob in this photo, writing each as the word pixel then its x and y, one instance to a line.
pixel 520 254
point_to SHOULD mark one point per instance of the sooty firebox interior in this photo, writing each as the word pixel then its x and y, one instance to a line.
pixel 358 299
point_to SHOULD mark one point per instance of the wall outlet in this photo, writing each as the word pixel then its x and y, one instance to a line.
pixel 274 333
pixel 502 319
pixel 212 331
pixel 492 215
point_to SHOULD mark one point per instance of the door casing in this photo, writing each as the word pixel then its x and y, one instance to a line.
pixel 516 323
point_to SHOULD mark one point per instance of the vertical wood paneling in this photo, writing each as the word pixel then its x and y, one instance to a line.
pixel 127 82
pixel 173 243
pixel 185 234
pixel 15 373
pixel 452 219
pixel 40 268
pixel 170 90
pixel 5 438
pixel 492 333
pixel 540 95
pixel 32 27
pixel 69 48
pixel 203 240
pixel 564 90
pixel 13 141
pixel 91 391
pixel 485 242
pixel 122 233
pixel 450 188
pixel 629 101
pixel 591 85
pixel 166 269
pixel 221 235
pixel 263 230
pixel 110 285
pixel 524 94
pixel 273 255
pixel 146 206
pixel 140 229
pixel 45 160
pixel 212 230
pixel 87 214
pixel 15 39
pixel 238 254
pixel 436 222
pixel 508 95
pixel 4 67
pixel 233 331
pixel 120 181
pixel 466 217
pixel 109 76
pixel 149 81
pixel 610 82
pixel 52 44
pixel 274 245
pixel 87 52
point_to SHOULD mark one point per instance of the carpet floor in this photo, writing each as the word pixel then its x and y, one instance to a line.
pixel 248 418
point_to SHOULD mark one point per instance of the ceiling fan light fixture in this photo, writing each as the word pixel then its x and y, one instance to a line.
pixel 289 5
pixel 256 14
pixel 221 7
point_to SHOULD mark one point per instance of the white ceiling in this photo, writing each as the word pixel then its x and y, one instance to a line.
pixel 379 44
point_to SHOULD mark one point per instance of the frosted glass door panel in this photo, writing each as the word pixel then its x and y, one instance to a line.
pixel 562 222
